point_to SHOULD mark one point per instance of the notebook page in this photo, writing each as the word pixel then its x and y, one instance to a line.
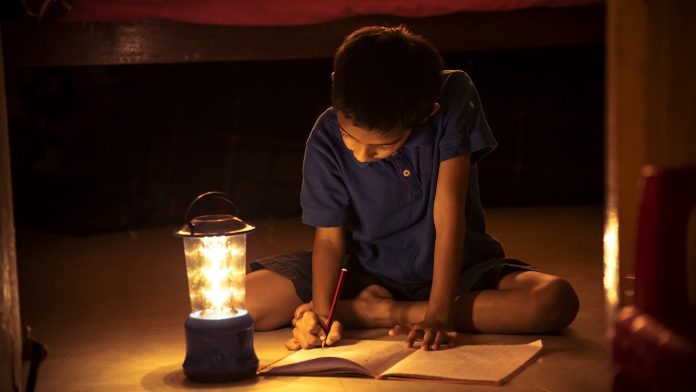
pixel 494 364
pixel 370 357
pixel 317 367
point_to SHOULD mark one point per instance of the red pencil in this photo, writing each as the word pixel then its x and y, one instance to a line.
pixel 337 294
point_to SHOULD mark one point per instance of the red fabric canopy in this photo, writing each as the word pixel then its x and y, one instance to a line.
pixel 287 12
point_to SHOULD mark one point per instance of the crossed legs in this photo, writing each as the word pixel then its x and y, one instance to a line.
pixel 524 302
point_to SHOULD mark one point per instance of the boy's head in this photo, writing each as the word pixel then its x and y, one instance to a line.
pixel 386 79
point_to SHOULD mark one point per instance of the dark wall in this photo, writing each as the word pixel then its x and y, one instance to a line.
pixel 117 147
pixel 546 108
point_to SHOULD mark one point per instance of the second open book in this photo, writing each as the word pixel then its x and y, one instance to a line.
pixel 473 364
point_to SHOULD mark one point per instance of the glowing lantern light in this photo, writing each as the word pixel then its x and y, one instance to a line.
pixel 219 331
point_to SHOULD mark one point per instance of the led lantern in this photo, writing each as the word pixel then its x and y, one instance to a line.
pixel 219 331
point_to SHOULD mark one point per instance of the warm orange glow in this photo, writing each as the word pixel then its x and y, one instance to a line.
pixel 611 261
pixel 215 268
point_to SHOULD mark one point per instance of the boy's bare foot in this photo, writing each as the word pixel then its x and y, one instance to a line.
pixel 372 305
pixel 374 292
pixel 375 307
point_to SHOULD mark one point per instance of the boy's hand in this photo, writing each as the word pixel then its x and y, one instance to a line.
pixel 308 330
pixel 432 334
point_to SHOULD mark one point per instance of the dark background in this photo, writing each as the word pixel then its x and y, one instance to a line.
pixel 103 148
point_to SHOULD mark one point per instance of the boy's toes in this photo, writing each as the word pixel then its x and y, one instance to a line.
pixel 399 330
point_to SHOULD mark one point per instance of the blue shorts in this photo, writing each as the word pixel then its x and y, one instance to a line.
pixel 297 266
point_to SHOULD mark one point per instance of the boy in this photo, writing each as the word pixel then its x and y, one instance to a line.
pixel 390 184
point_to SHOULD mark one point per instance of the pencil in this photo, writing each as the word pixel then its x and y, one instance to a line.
pixel 337 294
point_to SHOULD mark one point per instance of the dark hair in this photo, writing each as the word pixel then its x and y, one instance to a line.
pixel 386 79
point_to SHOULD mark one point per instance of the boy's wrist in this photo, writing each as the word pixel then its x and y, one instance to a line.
pixel 321 309
pixel 443 319
pixel 439 313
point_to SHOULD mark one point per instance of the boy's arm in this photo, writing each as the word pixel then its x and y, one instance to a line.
pixel 327 255
pixel 450 232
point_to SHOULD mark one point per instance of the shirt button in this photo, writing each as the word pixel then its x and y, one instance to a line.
pixel 406 172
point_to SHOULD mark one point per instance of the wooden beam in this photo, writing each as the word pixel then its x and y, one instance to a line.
pixel 650 111
pixel 11 375
pixel 158 41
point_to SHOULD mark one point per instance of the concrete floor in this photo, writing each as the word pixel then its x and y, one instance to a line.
pixel 111 307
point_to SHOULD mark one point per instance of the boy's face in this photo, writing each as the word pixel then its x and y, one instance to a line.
pixel 366 145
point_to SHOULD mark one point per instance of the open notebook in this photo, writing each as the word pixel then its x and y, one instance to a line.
pixel 471 364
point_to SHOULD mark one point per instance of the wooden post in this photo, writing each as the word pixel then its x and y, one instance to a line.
pixel 10 326
pixel 651 96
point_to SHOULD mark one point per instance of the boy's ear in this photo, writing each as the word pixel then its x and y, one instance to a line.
pixel 436 108
pixel 332 76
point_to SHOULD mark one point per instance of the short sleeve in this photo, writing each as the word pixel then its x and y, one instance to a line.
pixel 324 197
pixel 465 128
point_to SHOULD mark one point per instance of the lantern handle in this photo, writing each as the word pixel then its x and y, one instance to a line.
pixel 218 195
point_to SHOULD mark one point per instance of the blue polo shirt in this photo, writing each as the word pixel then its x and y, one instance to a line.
pixel 386 207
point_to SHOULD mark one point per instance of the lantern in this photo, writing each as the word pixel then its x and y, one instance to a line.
pixel 219 331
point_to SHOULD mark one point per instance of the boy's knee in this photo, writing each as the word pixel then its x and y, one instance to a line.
pixel 267 318
pixel 270 300
pixel 555 305
pixel 259 313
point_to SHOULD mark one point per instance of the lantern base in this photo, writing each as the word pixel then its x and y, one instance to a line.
pixel 220 350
